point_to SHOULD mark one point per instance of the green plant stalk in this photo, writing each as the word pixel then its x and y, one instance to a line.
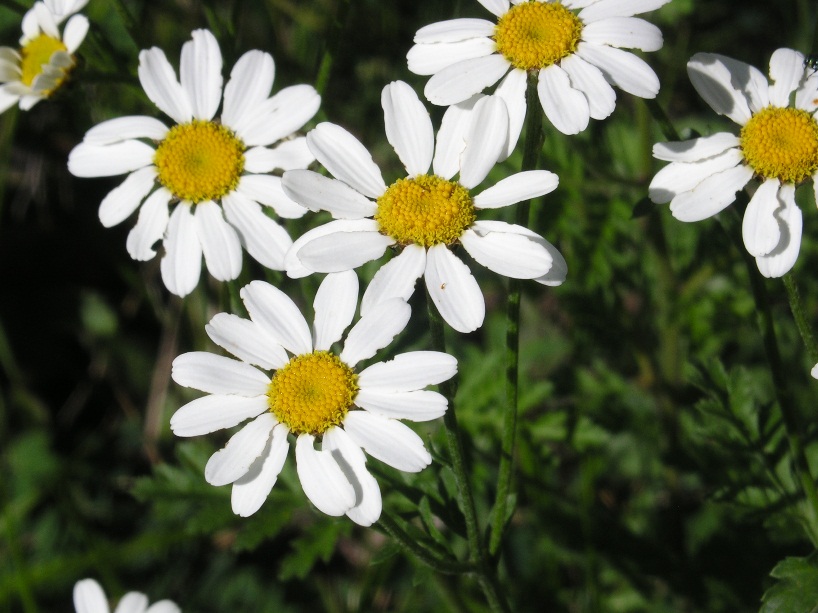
pixel 333 42
pixel 797 309
pixel 130 24
pixel 441 565
pixel 531 153
pixel 662 120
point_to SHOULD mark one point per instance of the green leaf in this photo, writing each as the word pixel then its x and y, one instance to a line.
pixel 797 587
pixel 317 543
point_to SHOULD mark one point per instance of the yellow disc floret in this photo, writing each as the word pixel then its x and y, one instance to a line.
pixel 36 53
pixel 425 210
pixel 781 143
pixel 312 393
pixel 533 35
pixel 200 160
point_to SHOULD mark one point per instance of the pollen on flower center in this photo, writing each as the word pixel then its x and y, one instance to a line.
pixel 312 393
pixel 36 53
pixel 781 143
pixel 200 160
pixel 425 210
pixel 534 35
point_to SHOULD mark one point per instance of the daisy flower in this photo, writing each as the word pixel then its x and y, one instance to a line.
pixel 45 57
pixel 313 393
pixel 573 46
pixel 777 144
pixel 426 216
pixel 199 184
pixel 90 598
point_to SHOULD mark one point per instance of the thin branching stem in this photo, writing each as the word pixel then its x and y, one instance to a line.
pixel 442 565
pixel 800 318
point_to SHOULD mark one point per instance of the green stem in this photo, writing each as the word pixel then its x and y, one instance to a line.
pixel 130 23
pixel 662 119
pixel 441 565
pixel 531 153
pixel 331 48
pixel 798 315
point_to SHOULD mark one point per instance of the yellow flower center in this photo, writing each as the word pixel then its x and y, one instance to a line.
pixel 781 144
pixel 425 210
pixel 200 160
pixel 36 53
pixel 312 393
pixel 534 35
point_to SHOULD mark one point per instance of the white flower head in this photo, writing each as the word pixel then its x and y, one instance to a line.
pixel 777 144
pixel 574 47
pixel 45 57
pixel 426 215
pixel 200 184
pixel 313 393
pixel 90 598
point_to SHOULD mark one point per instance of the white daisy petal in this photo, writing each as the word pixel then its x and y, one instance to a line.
pixel 250 491
pixel 460 81
pixel 234 460
pixel 351 244
pixel 806 96
pixel 786 70
pixel 408 372
pixel 200 71
pixel 696 148
pixel 497 7
pixel 375 330
pixel 605 9
pixel 150 226
pixel 346 158
pixel 215 412
pixel 281 115
pixel 814 372
pixel 216 374
pixel 132 602
pixel 417 405
pixel 622 68
pixel 125 128
pixel 589 80
pixel 712 195
pixel 760 228
pixel 485 141
pixel 454 30
pixel 512 90
pixel 322 479
pixel 628 32
pixel 516 188
pixel 395 279
pixel 680 177
pixel 454 290
pixel 74 33
pixel 277 313
pixel 220 243
pixel 249 85
pixel 182 264
pixel 429 59
pixel 164 606
pixel 317 192
pixel 288 155
pixel 159 82
pixel 408 127
pixel 267 190
pixel 46 20
pixel 451 137
pixel 388 440
pixel 781 259
pixel 566 108
pixel 508 252
pixel 126 198
pixel 712 79
pixel 86 160
pixel 335 303
pixel 265 240
pixel 246 340
pixel 89 597
pixel 352 462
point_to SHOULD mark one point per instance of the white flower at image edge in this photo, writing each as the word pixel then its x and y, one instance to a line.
pixel 312 394
pixel 778 144
pixel 41 65
pixel 90 598
pixel 427 216
pixel 573 47
pixel 211 173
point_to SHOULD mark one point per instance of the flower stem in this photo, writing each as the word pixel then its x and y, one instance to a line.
pixel 798 315
pixel 331 47
pixel 531 153
pixel 662 120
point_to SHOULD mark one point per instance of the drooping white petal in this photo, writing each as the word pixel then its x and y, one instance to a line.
pixel 89 597
pixel 451 137
pixel 781 259
pixel 711 76
pixel 695 149
pixel 87 160
pixel 215 412
pixel 454 290
pixel 375 330
pixel 346 158
pixel 712 195
pixel 335 303
pixel 567 108
pixel 264 239
pixel 159 82
pixel 388 440
pixel 200 71
pixel 246 340
pixel 267 190
pixel 272 309
pixel 417 405
pixel 351 244
pixel 251 490
pixel 462 80
pixel 74 33
pixel 249 85
pixel 164 606
pixel 150 226
pixel 126 198
pixel 322 480
pixel 485 140
pixel 786 70
pixel 506 251
pixel 408 127
pixel 317 192
pixel 281 115
pixel 605 9
pixel 234 460
pixel 429 59
pixel 627 32
pixel 454 30
pixel 220 243
pixel 408 372
pixel 760 228
pixel 512 90
pixel 516 188
pixel 497 7
pixel 352 461
pixel 395 279
pixel 589 80
pixel 182 264
pixel 217 374
pixel 622 68
pixel 125 128
pixel 132 602
pixel 680 177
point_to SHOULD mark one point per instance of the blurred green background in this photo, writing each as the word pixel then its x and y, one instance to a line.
pixel 652 471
